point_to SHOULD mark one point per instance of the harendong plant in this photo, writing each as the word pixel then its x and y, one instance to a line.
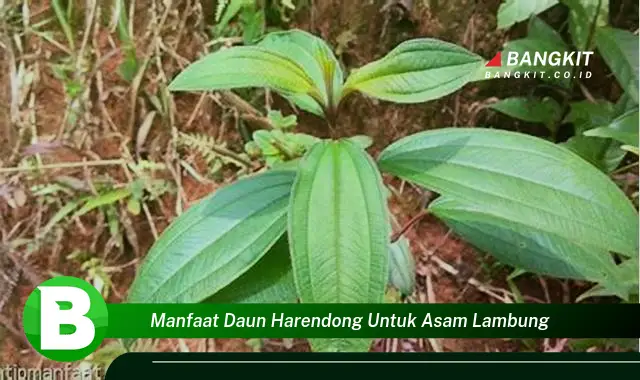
pixel 318 231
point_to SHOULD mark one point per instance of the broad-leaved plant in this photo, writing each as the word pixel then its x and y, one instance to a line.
pixel 317 229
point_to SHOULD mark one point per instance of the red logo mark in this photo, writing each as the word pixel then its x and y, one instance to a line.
pixel 495 61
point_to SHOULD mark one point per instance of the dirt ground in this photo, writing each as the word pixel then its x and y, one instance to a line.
pixel 108 125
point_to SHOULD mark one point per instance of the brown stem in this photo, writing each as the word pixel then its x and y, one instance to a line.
pixel 232 155
pixel 247 111
pixel 331 121
pixel 259 121
pixel 409 224
pixel 239 103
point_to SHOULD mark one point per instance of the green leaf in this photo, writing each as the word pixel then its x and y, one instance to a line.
pixel 286 165
pixel 585 115
pixel 130 65
pixel 362 140
pixel 523 179
pixel 244 67
pixel 514 11
pixel 58 8
pixel 546 111
pixel 104 199
pixel 602 153
pixel 582 13
pixel 543 39
pixel 302 141
pixel 531 45
pixel 526 246
pixel 253 23
pixel 627 271
pixel 282 122
pixel 540 30
pixel 605 155
pixel 277 146
pixel 619 49
pixel 624 104
pixel 133 206
pixel 623 129
pixel 215 241
pixel 402 267
pixel 339 231
pixel 314 56
pixel 416 71
pixel 231 9
pixel 66 210
pixel 270 280
pixel 306 103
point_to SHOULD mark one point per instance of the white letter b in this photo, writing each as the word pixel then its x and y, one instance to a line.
pixel 512 58
pixel 52 318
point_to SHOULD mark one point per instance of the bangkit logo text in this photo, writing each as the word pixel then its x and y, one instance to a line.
pixel 542 65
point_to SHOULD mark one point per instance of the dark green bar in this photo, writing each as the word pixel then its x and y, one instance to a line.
pixel 493 366
pixel 564 321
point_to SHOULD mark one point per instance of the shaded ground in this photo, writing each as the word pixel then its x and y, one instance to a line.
pixel 110 124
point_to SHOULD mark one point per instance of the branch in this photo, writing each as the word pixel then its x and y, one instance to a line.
pixel 247 111
pixel 409 224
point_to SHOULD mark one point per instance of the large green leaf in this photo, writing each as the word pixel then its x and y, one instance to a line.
pixel 270 280
pixel 619 48
pixel 339 231
pixel 215 241
pixel 314 55
pixel 546 111
pixel 514 11
pixel 582 14
pixel 527 246
pixel 250 66
pixel 623 129
pixel 520 178
pixel 416 71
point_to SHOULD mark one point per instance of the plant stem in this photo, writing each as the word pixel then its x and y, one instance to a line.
pixel 625 168
pixel 239 103
pixel 247 111
pixel 331 120
pixel 63 165
pixel 232 155
pixel 406 227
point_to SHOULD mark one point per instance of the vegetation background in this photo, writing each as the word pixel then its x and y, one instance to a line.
pixel 97 157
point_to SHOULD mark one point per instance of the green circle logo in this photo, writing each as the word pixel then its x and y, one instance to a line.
pixel 65 319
